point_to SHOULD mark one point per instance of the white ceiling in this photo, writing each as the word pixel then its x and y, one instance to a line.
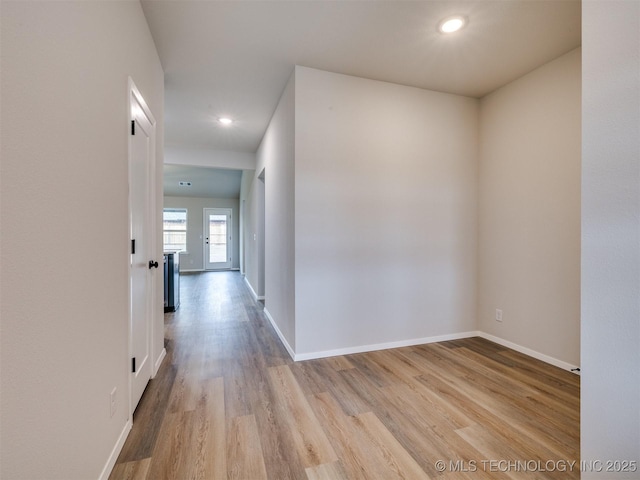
pixel 205 182
pixel 233 58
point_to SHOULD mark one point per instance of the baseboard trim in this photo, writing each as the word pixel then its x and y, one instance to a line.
pixel 531 353
pixel 111 462
pixel 297 357
pixel 383 346
pixel 255 296
pixel 284 341
pixel 156 367
pixel 192 270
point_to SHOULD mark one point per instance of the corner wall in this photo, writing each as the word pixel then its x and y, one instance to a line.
pixel 64 221
pixel 276 157
pixel 385 213
pixel 610 406
pixel 529 211
pixel 252 206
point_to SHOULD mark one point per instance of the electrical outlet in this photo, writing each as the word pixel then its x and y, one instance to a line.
pixel 498 315
pixel 113 401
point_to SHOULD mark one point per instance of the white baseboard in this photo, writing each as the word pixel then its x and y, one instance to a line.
pixel 292 354
pixel 156 367
pixel 382 346
pixel 417 341
pixel 106 471
pixel 200 270
pixel 529 352
pixel 255 296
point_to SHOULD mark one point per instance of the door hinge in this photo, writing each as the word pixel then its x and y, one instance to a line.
pixel 133 365
pixel 133 127
pixel 133 246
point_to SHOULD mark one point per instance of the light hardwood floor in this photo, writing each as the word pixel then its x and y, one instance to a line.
pixel 228 403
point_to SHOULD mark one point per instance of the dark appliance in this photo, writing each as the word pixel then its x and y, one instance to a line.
pixel 171 281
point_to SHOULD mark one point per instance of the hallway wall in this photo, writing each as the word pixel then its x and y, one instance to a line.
pixel 385 213
pixel 276 158
pixel 529 210
pixel 610 406
pixel 65 233
pixel 252 201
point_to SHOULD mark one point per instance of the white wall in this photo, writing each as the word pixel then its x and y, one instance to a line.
pixel 197 156
pixel 194 258
pixel 276 157
pixel 252 197
pixel 610 426
pixel 529 210
pixel 65 242
pixel 390 245
pixel 385 212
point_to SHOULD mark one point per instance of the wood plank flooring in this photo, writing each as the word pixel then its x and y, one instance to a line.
pixel 228 403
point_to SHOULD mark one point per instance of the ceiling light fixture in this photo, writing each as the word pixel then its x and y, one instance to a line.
pixel 452 24
pixel 225 121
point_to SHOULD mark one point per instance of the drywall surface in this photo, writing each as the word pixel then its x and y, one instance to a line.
pixel 196 156
pixel 385 217
pixel 275 157
pixel 252 200
pixel 610 403
pixel 194 258
pixel 529 210
pixel 64 219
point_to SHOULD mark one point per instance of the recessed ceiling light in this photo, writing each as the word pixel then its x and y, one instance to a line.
pixel 225 121
pixel 452 24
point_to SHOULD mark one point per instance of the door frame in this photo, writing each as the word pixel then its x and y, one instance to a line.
pixel 136 105
pixel 205 226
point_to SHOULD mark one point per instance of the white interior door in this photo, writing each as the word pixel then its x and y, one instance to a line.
pixel 217 238
pixel 142 262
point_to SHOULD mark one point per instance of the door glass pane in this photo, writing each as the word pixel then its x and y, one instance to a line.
pixel 217 238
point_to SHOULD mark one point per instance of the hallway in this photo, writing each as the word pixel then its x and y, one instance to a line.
pixel 229 402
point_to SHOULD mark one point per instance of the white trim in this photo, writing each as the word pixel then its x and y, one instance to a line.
pixel 193 270
pixel 158 363
pixel 383 346
pixel 531 353
pixel 417 341
pixel 117 448
pixel 292 354
pixel 255 296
